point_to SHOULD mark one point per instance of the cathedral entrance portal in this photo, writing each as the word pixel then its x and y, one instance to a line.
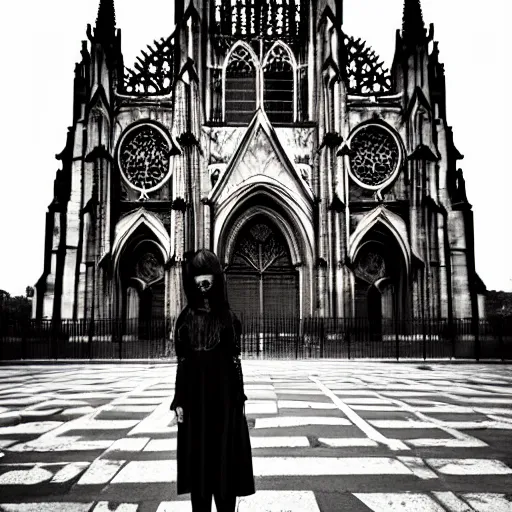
pixel 261 280
pixel 380 284
pixel 142 287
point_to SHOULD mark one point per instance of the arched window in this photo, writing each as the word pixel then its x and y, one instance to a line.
pixel 240 91
pixel 278 75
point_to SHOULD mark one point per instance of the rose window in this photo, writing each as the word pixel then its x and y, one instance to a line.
pixel 375 156
pixel 144 158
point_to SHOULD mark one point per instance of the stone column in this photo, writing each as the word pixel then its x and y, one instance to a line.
pixel 459 266
pixel 75 205
pixel 49 295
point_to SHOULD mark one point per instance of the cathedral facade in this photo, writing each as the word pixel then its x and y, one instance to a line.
pixel 326 184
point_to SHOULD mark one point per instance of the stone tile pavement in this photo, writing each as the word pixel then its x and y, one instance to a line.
pixel 326 436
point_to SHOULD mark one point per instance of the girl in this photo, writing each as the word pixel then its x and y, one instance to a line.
pixel 214 450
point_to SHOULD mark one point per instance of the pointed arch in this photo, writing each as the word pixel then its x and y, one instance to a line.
pixel 286 229
pixel 244 45
pixel 130 223
pixel 286 48
pixel 392 222
pixel 279 72
pixel 380 260
pixel 234 226
pixel 241 83
pixel 262 278
pixel 140 251
pixel 279 209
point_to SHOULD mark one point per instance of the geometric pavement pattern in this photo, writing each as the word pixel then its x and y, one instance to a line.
pixel 326 436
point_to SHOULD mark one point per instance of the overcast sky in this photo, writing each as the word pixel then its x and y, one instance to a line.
pixel 40 43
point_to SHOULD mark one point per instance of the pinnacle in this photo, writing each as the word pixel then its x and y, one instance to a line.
pixel 106 21
pixel 413 26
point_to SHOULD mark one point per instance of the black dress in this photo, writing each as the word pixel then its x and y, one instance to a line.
pixel 214 450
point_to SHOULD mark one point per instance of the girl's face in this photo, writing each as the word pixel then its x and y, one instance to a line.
pixel 204 282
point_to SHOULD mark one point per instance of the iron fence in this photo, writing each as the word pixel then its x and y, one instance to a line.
pixel 271 337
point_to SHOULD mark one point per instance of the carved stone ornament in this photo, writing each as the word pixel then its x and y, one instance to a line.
pixel 223 143
pixel 154 72
pixel 143 158
pixel 250 19
pixel 370 266
pixel 261 247
pixel 298 145
pixel 305 172
pixel 375 156
pixel 332 140
pixel 365 71
pixel 187 139
pixel 215 171
pixel 148 269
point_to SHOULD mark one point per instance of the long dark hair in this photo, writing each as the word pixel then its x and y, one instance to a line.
pixel 201 262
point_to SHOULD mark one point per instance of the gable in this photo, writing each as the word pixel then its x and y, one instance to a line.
pixel 260 160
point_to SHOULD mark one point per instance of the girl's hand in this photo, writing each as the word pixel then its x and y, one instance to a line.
pixel 178 416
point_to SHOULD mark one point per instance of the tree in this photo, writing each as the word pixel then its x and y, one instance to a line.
pixel 15 309
pixel 498 303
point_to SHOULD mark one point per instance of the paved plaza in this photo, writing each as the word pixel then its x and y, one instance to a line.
pixel 326 436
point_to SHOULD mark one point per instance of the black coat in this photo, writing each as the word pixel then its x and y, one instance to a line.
pixel 214 449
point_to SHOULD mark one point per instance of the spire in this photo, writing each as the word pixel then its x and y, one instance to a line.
pixel 413 27
pixel 105 22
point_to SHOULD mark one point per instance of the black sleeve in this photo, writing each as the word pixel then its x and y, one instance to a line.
pixel 237 363
pixel 180 343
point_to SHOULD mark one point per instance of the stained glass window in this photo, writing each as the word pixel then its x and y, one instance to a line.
pixel 240 94
pixel 144 157
pixel 375 156
pixel 279 86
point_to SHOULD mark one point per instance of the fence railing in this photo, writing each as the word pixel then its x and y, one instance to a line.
pixel 269 337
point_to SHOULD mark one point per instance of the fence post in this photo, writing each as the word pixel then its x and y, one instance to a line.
pixel 349 336
pixel 119 337
pixel 163 333
pixel 298 336
pixel 397 340
pixel 23 341
pixel 278 347
pixel 476 330
pixel 501 343
pixel 322 337
pixel 259 336
pixel 89 338
pixel 54 339
pixel 453 333
pixel 424 339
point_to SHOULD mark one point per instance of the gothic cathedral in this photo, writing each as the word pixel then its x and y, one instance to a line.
pixel 327 184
